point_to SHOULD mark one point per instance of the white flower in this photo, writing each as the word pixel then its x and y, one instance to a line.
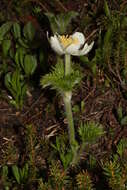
pixel 73 45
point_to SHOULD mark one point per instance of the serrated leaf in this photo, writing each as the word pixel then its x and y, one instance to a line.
pixel 29 31
pixel 90 131
pixel 57 79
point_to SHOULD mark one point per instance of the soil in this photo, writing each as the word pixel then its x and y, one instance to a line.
pixel 45 112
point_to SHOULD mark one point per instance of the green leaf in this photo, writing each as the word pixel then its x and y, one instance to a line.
pixel 5 171
pixel 121 147
pixel 22 53
pixel 76 109
pixel 108 36
pixel 107 43
pixel 124 121
pixel 6 44
pixel 82 106
pixel 4 29
pixel 16 30
pixel 7 188
pixel 112 167
pixel 23 43
pixel 84 181
pixel 63 21
pixel 25 171
pixel 84 60
pixel 120 113
pixel 29 31
pixel 8 80
pixel 106 9
pixel 16 85
pixel 53 22
pixel 11 53
pixel 16 174
pixel 64 152
pixel 30 64
pixel 57 79
pixel 15 81
pixel 60 22
pixel 19 56
pixel 90 132
pixel 124 22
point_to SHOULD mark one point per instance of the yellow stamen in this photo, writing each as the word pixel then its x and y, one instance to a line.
pixel 68 40
pixel 75 41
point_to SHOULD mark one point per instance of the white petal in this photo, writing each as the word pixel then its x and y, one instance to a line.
pixel 85 50
pixel 80 36
pixel 74 48
pixel 55 44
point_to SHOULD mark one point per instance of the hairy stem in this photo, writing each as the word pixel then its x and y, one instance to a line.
pixel 67 64
pixel 68 108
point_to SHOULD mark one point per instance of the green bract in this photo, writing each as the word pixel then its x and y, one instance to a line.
pixel 57 79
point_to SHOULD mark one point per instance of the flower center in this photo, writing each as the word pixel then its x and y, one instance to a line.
pixel 68 40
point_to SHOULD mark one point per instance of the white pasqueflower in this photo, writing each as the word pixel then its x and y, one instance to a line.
pixel 73 44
